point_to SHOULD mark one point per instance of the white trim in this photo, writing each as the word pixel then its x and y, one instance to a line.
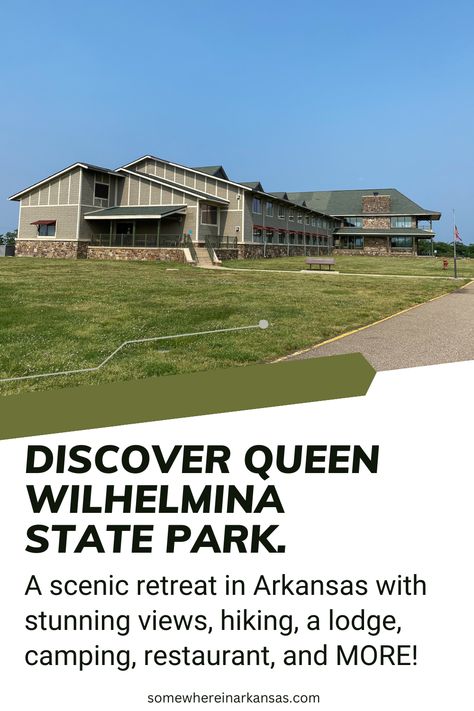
pixel 198 217
pixel 127 216
pixel 185 167
pixel 51 239
pixel 60 204
pixel 78 224
pixel 164 182
pixel 55 175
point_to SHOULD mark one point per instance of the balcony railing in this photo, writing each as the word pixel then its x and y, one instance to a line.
pixel 221 241
pixel 108 240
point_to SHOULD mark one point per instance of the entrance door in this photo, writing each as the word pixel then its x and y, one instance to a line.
pixel 124 234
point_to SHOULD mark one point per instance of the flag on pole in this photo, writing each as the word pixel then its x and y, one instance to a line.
pixel 456 233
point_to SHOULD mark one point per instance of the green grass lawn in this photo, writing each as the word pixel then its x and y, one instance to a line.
pixel 61 314
pixel 412 266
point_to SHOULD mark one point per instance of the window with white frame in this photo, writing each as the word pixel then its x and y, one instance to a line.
pixel 281 212
pixel 257 234
pixel 269 209
pixel 46 229
pixel 257 206
pixel 307 219
pixel 269 236
pixel 282 236
pixel 299 217
pixel 313 222
pixel 291 215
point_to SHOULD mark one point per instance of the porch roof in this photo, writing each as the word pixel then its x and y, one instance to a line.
pixel 389 232
pixel 135 213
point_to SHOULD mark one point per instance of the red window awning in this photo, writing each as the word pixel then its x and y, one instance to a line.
pixel 43 222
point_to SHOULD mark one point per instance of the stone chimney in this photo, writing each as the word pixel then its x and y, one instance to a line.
pixel 375 204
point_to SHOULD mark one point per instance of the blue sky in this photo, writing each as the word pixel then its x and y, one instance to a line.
pixel 302 95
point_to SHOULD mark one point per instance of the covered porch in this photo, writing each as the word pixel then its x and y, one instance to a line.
pixel 137 227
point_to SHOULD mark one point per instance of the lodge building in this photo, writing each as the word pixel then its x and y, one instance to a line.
pixel 158 210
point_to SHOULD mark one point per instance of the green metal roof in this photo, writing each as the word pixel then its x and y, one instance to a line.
pixel 349 202
pixel 217 171
pixel 253 185
pixel 116 213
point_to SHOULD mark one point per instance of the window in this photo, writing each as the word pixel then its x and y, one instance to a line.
pixel 291 215
pixel 257 206
pixel 353 221
pixel 313 222
pixel 307 219
pixel 404 221
pixel 351 242
pixel 269 209
pixel 47 229
pixel 208 215
pixel 269 235
pixel 291 237
pixel 257 234
pixel 300 238
pixel 281 236
pixel 281 212
pixel 299 217
pixel 402 243
pixel 101 190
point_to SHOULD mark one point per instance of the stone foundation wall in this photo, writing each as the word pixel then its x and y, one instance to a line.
pixel 224 254
pixel 157 254
pixel 51 249
pixel 256 251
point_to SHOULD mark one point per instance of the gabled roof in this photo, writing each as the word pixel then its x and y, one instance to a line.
pixel 85 166
pixel 349 202
pixel 175 186
pixel 202 171
pixel 280 196
pixel 216 171
pixel 253 185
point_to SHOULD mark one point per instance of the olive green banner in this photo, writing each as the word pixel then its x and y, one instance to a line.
pixel 168 397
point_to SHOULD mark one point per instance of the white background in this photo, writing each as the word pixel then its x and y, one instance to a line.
pixel 414 516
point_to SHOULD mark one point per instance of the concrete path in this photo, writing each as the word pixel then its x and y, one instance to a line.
pixel 440 331
pixel 326 272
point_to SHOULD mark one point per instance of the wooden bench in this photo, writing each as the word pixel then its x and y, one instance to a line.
pixel 327 262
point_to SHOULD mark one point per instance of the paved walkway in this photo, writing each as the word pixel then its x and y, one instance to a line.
pixel 440 331
pixel 326 272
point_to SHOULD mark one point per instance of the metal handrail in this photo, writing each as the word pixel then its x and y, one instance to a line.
pixel 210 249
pixel 188 242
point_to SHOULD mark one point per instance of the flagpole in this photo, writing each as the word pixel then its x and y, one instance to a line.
pixel 454 246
